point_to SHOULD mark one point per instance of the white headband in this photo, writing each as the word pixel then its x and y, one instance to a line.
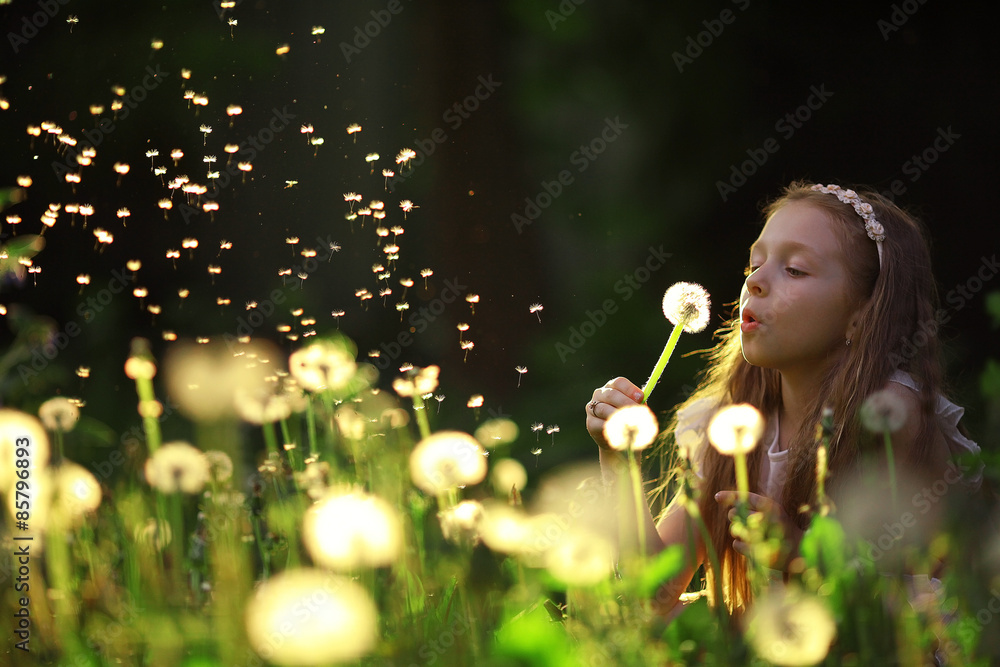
pixel 875 230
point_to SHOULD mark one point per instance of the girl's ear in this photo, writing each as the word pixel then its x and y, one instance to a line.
pixel 852 322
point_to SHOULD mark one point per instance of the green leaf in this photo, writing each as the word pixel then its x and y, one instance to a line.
pixel 822 544
pixel 665 566
pixel 533 638
pixel 989 381
pixel 993 308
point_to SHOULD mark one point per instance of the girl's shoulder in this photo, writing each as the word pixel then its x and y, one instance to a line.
pixel 957 447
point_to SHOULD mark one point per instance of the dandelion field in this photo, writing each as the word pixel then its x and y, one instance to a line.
pixel 245 388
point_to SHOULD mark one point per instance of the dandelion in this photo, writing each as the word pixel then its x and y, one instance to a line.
pixel 318 30
pixel 467 345
pixel 156 44
pixel 203 379
pixel 631 428
pixel 580 558
pixel 687 306
pixel 461 523
pixel 495 432
pixel 72 20
pixel 83 371
pixel 734 431
pixel 472 299
pixel 404 156
pixel 521 370
pixel 885 412
pixel 305 616
pixel 507 474
pixel 59 414
pixel 536 428
pixel 178 466
pixel 445 460
pixel 790 627
pixel 462 328
pixel 536 308
pixel 76 494
pixel 353 529
pixel 14 427
pixel 505 529
pixel 552 430
pixel 177 154
pixel 322 365
pixel 205 130
pixel 425 274
pixel 371 158
pixel 352 130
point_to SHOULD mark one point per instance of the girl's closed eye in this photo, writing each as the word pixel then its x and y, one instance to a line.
pixel 794 272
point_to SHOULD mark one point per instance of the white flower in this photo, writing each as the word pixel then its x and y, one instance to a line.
pixel 178 466
pixel 346 530
pixel 445 460
pixel 322 365
pixel 59 414
pixel 788 627
pixel 687 303
pixel 631 427
pixel 306 616
pixel 883 411
pixel 736 429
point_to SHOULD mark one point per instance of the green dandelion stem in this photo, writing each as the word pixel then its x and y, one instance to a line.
pixel 177 566
pixel 421 411
pixel 742 479
pixel 891 460
pixel 270 438
pixel 661 363
pixel 311 427
pixel 636 475
pixel 150 424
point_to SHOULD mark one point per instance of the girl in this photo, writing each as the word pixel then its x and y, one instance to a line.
pixel 838 286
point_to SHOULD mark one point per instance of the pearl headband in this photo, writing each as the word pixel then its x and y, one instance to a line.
pixel 875 230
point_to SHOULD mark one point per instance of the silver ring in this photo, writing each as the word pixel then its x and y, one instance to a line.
pixel 593 407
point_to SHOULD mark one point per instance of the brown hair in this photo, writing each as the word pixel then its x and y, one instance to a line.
pixel 895 298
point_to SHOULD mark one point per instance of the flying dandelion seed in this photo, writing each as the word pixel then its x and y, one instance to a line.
pixel 72 20
pixel 552 430
pixel 467 345
pixel 371 158
pixel 177 153
pixel 472 299
pixel 156 44
pixel 133 265
pixel 121 168
pixel 291 184
pixel 232 24
pixel 521 370
pixel 406 205
pixel 205 130
pixel 353 130
pixel 536 308
pixel 282 50
pixel 83 371
pixel 307 130
pixel 405 155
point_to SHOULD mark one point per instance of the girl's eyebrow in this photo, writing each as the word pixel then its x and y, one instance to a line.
pixel 793 246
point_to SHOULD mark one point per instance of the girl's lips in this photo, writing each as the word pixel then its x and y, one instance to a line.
pixel 749 321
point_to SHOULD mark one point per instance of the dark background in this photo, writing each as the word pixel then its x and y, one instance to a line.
pixel 562 76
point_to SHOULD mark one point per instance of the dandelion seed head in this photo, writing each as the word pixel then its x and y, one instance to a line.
pixel 633 426
pixel 495 432
pixel 59 414
pixel 790 627
pixel 177 466
pixel 883 411
pixel 580 557
pixel 15 424
pixel 445 460
pixel 688 303
pixel 349 529
pixel 340 623
pixel 323 365
pixel 736 429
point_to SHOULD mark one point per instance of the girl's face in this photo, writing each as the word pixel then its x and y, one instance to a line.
pixel 797 305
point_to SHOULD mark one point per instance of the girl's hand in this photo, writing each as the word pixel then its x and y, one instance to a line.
pixel 773 513
pixel 617 393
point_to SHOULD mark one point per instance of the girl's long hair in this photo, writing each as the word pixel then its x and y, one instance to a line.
pixel 898 300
